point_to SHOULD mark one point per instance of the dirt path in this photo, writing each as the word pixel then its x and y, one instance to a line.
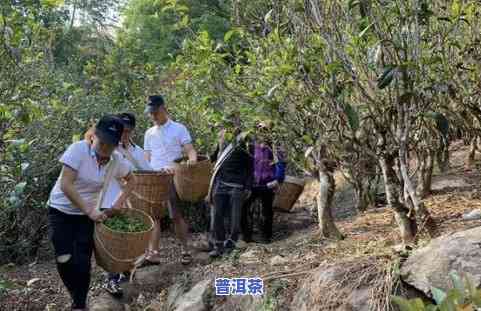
pixel 295 249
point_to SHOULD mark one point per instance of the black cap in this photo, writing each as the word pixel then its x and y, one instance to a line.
pixel 154 102
pixel 109 130
pixel 128 119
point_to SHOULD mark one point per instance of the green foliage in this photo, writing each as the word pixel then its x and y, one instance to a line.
pixel 4 286
pixel 463 296
pixel 154 31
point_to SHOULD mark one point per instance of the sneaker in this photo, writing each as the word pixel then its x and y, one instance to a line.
pixel 124 277
pixel 113 288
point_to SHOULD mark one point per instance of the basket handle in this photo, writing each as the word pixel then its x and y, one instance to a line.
pixel 140 197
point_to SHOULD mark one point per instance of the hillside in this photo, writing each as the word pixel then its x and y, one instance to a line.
pixel 296 252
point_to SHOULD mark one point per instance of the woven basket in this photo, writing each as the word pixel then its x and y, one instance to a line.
pixel 192 181
pixel 117 251
pixel 151 193
pixel 288 193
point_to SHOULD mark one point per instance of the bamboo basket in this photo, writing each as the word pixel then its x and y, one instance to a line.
pixel 151 193
pixel 192 182
pixel 288 193
pixel 116 251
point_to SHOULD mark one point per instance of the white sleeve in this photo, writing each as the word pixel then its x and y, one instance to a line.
pixel 184 136
pixel 139 156
pixel 147 139
pixel 73 156
pixel 124 168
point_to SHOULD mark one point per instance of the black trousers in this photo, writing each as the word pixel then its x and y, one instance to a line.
pixel 228 203
pixel 72 238
pixel 266 196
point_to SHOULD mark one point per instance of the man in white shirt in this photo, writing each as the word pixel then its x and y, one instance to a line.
pixel 165 142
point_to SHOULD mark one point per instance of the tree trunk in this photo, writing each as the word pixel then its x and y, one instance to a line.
pixel 472 152
pixel 402 133
pixel 365 193
pixel 406 224
pixel 442 155
pixel 359 197
pixel 422 212
pixel 425 174
pixel 327 188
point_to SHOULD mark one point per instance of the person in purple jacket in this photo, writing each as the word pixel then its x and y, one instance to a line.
pixel 269 173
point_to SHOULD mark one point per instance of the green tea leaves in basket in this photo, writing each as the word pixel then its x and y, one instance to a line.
pixel 125 223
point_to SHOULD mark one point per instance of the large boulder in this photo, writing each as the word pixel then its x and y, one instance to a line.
pixel 357 285
pixel 196 299
pixel 311 291
pixel 430 266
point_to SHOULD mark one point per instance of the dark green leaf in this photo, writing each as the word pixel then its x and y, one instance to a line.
pixel 445 19
pixel 20 188
pixel 352 116
pixel 353 3
pixel 386 78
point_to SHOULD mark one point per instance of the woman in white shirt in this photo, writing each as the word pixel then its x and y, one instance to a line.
pixel 75 203
pixel 136 158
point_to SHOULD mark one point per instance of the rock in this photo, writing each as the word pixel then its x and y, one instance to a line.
pixel 338 287
pixel 130 292
pixel 154 306
pixel 241 303
pixel 308 195
pixel 196 298
pixel 105 302
pixel 202 258
pixel 473 215
pixel 430 266
pixel 279 260
pixel 241 245
pixel 358 300
pixel 250 257
pixel 147 276
pixel 311 291
pixel 159 276
pixel 175 292
pixel 201 243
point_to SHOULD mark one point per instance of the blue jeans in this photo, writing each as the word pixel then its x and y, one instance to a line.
pixel 228 202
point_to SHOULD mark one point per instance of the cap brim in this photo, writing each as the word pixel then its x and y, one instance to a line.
pixel 150 109
pixel 128 126
pixel 107 138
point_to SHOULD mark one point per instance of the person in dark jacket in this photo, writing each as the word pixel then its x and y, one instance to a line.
pixel 269 173
pixel 230 185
